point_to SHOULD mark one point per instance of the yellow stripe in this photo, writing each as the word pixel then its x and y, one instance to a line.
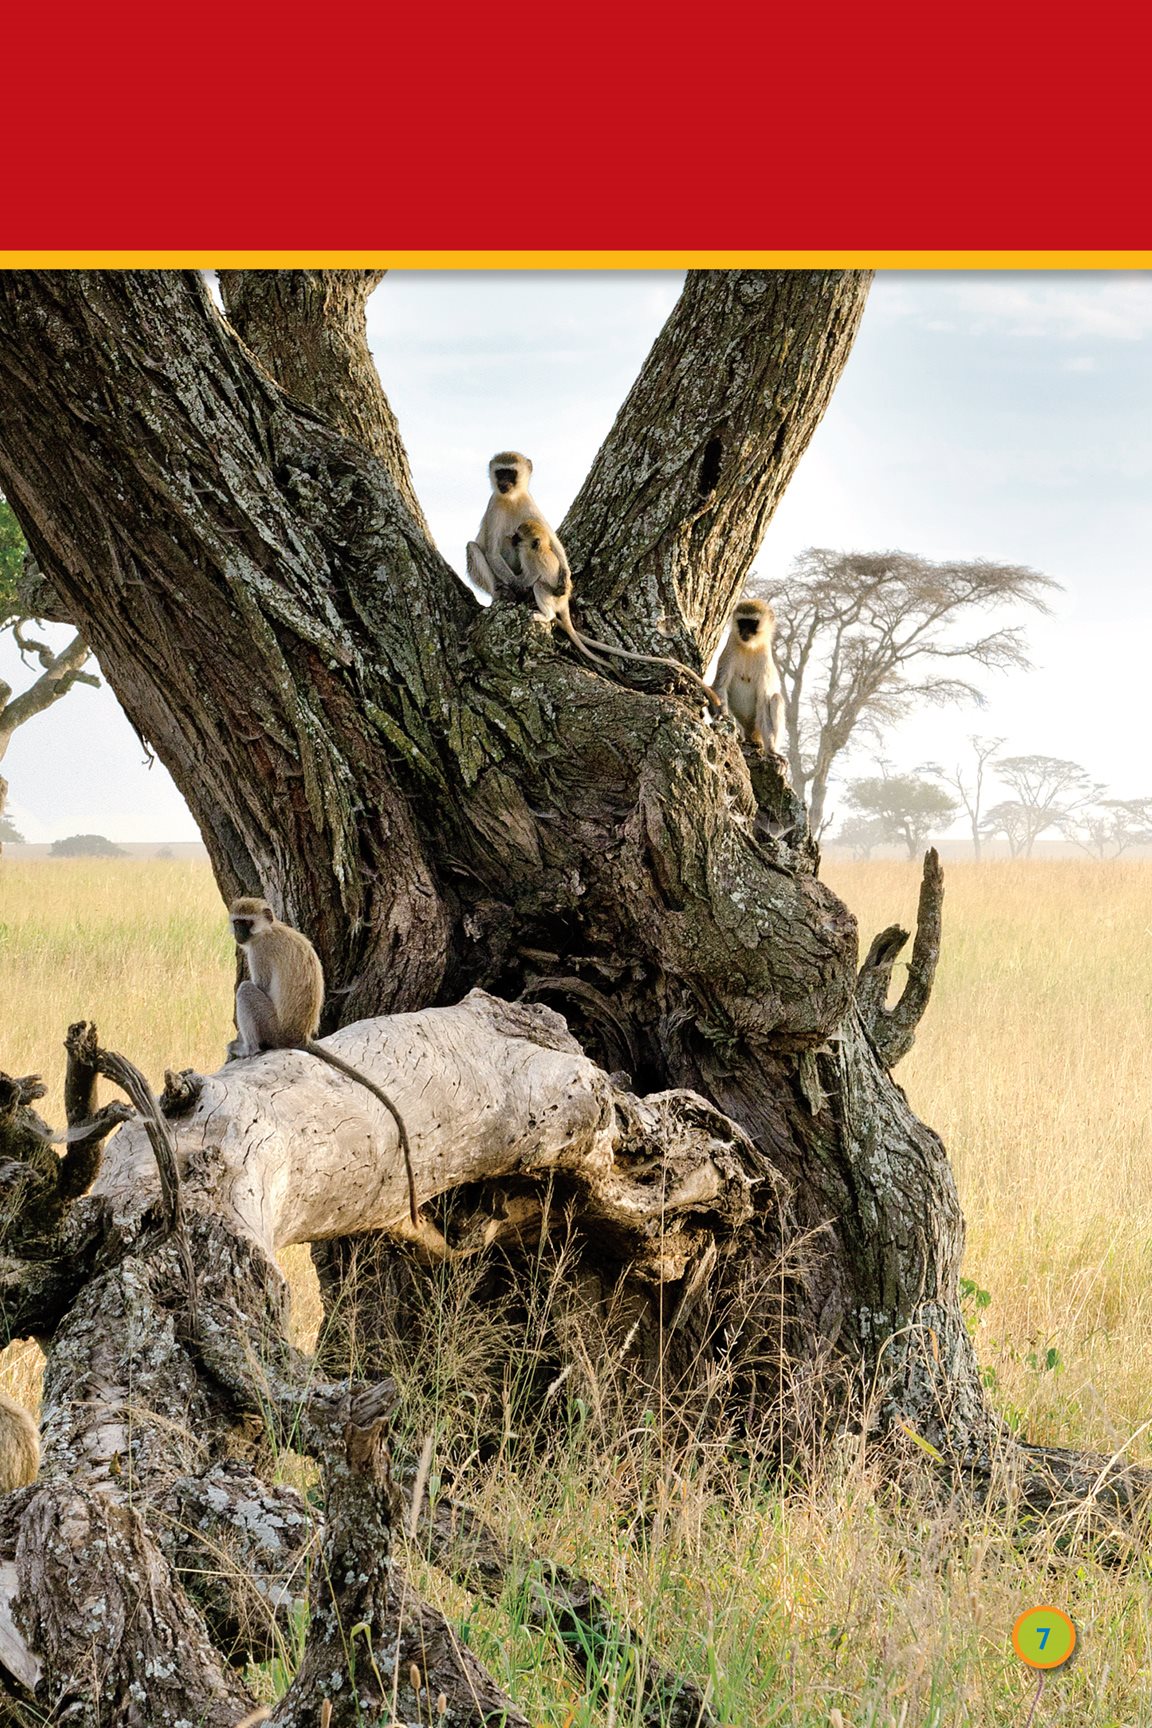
pixel 681 259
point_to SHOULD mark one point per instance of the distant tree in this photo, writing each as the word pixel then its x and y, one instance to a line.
pixel 1011 821
pixel 8 831
pixel 1049 790
pixel 60 670
pixel 862 833
pixel 865 638
pixel 907 808
pixel 1110 827
pixel 967 781
pixel 86 846
pixel 165 852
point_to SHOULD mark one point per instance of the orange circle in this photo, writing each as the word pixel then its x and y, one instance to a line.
pixel 1031 1636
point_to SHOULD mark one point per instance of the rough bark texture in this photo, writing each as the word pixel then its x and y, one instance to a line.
pixel 444 798
pixel 663 531
pixel 893 1030
pixel 156 1471
pixel 308 327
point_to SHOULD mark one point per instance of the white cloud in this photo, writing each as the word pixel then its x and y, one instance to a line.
pixel 1065 307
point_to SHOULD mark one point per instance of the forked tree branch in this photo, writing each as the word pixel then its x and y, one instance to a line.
pixel 61 672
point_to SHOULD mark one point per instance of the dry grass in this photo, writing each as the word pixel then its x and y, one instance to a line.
pixel 1033 1063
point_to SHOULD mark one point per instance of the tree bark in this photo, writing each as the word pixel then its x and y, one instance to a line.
pixel 441 795
pixel 444 797
pixel 308 328
pixel 663 532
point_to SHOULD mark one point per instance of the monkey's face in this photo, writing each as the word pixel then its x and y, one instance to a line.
pixel 751 617
pixel 247 917
pixel 530 534
pixel 509 471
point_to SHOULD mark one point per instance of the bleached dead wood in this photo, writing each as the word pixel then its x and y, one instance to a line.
pixel 285 1150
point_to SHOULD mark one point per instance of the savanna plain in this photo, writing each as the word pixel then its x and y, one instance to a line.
pixel 828 1599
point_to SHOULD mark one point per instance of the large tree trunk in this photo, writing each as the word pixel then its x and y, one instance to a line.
pixel 445 797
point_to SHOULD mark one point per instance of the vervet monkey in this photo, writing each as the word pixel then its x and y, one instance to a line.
pixel 278 1004
pixel 747 681
pixel 492 559
pixel 551 581
pixel 19 1446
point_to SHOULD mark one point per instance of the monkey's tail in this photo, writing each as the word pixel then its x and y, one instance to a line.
pixel 343 1067
pixel 580 642
pixel 651 660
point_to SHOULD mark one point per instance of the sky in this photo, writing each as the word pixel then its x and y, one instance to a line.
pixel 981 414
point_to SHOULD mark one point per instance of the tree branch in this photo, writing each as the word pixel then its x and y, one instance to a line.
pixel 893 1030
pixel 309 329
pixel 374 1652
pixel 662 533
pixel 286 1150
pixel 61 672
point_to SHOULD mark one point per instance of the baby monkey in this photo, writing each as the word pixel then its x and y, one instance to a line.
pixel 278 1004
pixel 548 576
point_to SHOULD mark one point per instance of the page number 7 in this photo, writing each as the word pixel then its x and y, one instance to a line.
pixel 1043 1631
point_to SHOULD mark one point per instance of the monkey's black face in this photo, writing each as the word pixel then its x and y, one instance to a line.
pixel 505 479
pixel 748 627
pixel 242 930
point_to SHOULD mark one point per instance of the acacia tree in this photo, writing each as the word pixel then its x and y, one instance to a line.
pixel 60 668
pixel 862 833
pixel 906 807
pixel 453 807
pixel 968 783
pixel 1110 827
pixel 864 639
pixel 1049 790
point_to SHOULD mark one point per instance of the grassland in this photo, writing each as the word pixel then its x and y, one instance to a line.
pixel 1034 1064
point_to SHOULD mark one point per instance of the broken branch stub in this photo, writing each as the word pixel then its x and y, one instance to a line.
pixel 892 1031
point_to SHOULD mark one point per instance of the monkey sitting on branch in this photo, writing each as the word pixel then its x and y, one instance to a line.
pixel 492 561
pixel 278 1005
pixel 747 681
pixel 546 570
pixel 516 551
